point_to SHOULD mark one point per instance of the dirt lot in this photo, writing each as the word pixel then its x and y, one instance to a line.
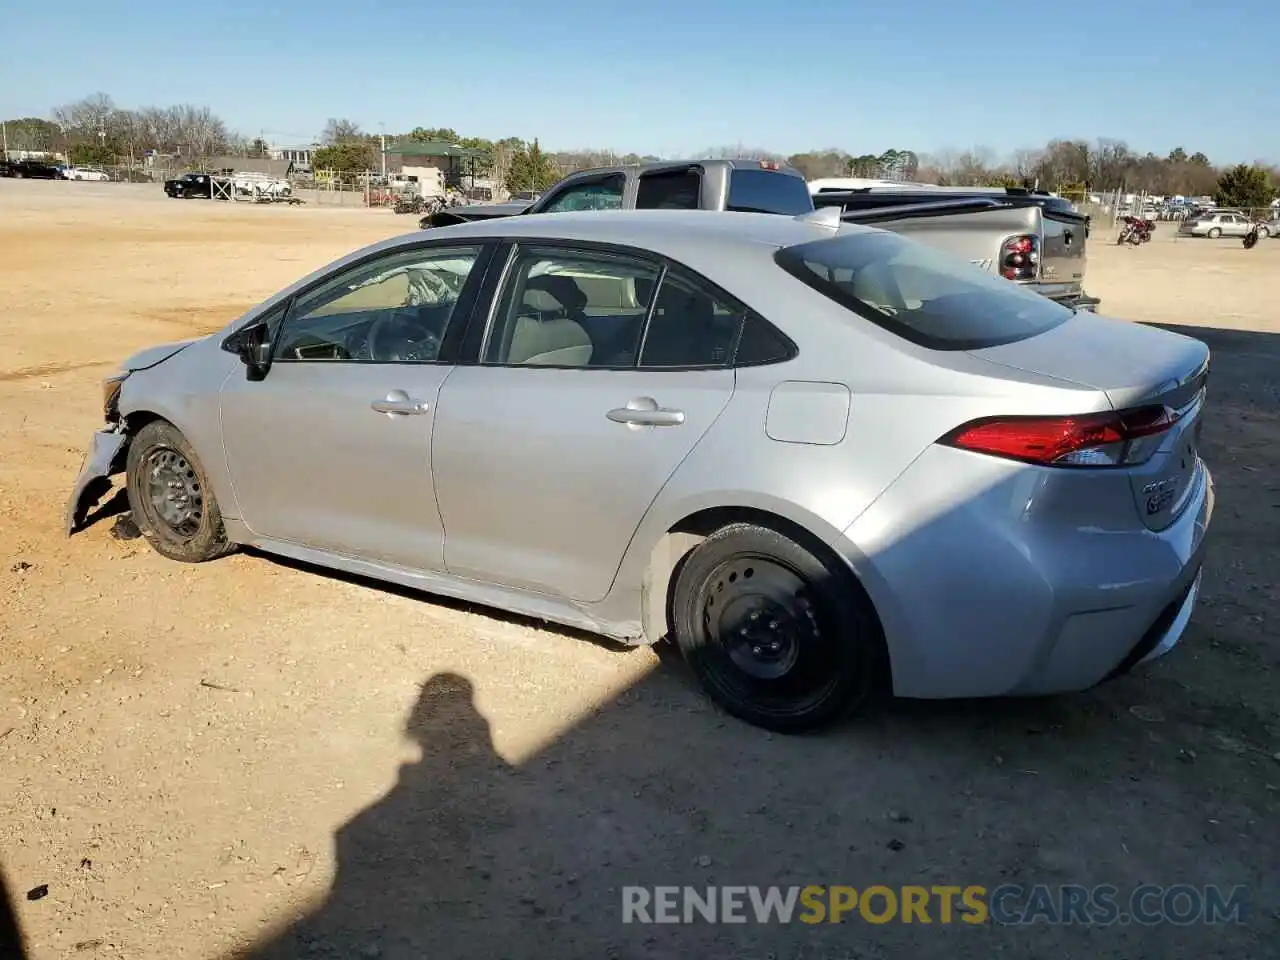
pixel 248 758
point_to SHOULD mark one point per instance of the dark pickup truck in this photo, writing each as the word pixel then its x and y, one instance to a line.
pixel 31 170
pixel 756 186
pixel 190 186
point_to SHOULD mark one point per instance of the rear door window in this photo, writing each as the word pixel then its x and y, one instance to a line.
pixel 764 191
pixel 670 190
pixel 690 326
pixel 924 296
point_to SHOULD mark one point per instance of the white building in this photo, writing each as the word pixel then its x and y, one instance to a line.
pixel 300 156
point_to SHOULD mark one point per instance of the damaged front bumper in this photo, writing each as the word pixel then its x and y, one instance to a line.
pixel 104 459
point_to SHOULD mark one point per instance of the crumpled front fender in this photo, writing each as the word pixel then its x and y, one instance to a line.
pixel 105 457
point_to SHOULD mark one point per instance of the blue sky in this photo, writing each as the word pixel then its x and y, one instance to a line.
pixel 674 78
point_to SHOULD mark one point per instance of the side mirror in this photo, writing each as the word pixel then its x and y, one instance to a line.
pixel 252 345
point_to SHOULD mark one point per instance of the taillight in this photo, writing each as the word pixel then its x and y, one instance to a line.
pixel 1020 258
pixel 1090 440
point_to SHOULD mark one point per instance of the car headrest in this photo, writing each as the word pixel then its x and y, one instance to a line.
pixel 549 293
pixel 542 302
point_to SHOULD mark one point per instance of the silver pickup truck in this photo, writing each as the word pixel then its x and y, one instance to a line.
pixel 1028 237
pixel 757 186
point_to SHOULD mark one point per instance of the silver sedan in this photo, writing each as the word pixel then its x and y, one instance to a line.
pixel 826 461
pixel 1214 225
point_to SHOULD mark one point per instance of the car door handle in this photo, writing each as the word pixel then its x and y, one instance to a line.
pixel 399 402
pixel 645 412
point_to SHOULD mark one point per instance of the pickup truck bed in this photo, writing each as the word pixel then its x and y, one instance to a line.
pixel 1033 239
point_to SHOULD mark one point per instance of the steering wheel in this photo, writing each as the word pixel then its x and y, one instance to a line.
pixel 401 335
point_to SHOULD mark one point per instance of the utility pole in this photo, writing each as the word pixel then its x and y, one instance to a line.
pixel 4 135
pixel 382 127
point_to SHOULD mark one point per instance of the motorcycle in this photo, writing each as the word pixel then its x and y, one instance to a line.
pixel 1136 231
pixel 1251 238
pixel 404 204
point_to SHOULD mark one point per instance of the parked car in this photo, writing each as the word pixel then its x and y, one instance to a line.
pixel 83 173
pixel 190 186
pixel 1028 236
pixel 1216 224
pixel 32 170
pixel 825 461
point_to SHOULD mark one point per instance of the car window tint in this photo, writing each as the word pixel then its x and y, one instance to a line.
pixel 392 309
pixel 766 191
pixel 674 190
pixel 564 308
pixel 922 295
pixel 761 342
pixel 604 194
pixel 690 326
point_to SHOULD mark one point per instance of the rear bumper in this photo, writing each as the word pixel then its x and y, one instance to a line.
pixel 984 589
pixel 1080 301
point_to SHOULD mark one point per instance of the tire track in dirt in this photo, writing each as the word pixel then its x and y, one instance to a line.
pixel 51 368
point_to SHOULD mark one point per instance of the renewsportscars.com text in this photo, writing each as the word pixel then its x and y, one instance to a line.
pixel 1008 904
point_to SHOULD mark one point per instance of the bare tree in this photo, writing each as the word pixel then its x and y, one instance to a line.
pixel 340 130
pixel 742 152
pixel 1023 163
pixel 197 130
pixel 89 117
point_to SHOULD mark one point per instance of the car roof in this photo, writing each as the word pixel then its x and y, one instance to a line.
pixel 694 237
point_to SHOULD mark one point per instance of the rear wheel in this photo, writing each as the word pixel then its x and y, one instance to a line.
pixel 170 497
pixel 778 637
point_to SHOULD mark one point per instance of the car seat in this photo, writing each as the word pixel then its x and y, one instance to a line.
pixel 546 333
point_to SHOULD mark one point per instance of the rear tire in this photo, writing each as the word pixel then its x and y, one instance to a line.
pixel 169 495
pixel 778 637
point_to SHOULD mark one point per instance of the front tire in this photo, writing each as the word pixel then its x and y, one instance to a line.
pixel 169 495
pixel 777 636
pixel 1214 234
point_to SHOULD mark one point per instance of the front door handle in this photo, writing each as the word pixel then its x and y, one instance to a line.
pixel 400 403
pixel 645 412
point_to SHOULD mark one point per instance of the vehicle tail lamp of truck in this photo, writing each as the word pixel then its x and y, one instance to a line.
pixel 1020 258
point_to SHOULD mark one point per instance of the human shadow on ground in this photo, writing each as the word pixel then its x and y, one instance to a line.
pixel 11 942
pixel 469 856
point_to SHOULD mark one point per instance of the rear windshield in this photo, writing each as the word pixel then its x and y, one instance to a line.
pixel 927 297
pixel 765 191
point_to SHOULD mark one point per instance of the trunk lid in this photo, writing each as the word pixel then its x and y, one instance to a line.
pixel 1135 366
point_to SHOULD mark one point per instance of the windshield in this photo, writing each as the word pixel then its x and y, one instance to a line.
pixel 930 298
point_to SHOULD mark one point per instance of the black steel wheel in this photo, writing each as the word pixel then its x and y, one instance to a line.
pixel 170 498
pixel 778 637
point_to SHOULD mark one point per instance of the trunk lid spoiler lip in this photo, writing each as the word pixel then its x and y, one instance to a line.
pixel 1178 391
